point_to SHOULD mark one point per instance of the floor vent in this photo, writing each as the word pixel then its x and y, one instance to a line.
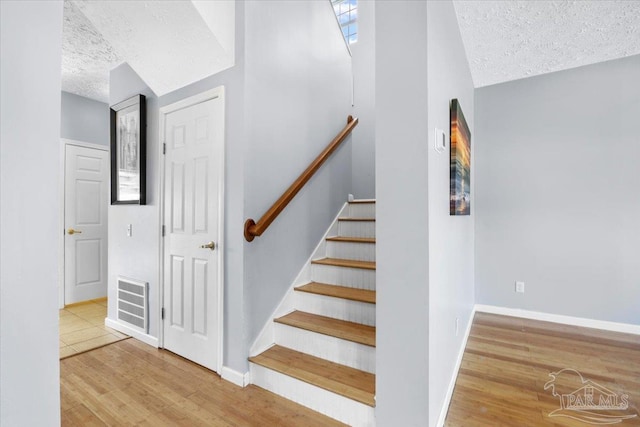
pixel 132 303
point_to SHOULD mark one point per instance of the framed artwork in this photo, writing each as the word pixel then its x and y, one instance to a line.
pixel 460 162
pixel 128 151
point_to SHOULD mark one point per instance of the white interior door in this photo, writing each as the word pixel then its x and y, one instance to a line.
pixel 85 218
pixel 194 137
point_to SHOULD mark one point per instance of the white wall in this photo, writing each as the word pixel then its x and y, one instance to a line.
pixel 297 98
pixel 136 257
pixel 402 217
pixel 364 98
pixel 451 238
pixel 31 36
pixel 557 192
pixel 84 119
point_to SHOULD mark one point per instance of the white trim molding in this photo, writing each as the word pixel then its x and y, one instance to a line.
pixel 147 339
pixel 454 376
pixel 235 377
pixel 626 328
pixel 66 141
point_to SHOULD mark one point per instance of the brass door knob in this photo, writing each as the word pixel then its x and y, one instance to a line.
pixel 72 231
pixel 209 245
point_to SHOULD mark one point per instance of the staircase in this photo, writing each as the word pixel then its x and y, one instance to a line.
pixel 323 352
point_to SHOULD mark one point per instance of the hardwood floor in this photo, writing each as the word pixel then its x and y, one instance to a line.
pixel 130 383
pixel 507 362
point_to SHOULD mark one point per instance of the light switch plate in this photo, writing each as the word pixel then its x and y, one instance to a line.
pixel 440 140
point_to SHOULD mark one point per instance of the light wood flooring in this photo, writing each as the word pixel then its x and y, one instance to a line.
pixel 507 362
pixel 82 328
pixel 130 383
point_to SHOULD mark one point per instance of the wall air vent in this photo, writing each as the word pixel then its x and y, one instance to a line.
pixel 133 304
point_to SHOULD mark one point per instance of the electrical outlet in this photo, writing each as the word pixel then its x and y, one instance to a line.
pixel 520 287
pixel 457 326
pixel 129 230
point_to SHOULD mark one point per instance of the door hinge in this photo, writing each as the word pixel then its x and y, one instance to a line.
pixel 162 313
pixel 164 148
pixel 163 230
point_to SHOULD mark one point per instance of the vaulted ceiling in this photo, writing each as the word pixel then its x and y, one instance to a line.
pixel 170 44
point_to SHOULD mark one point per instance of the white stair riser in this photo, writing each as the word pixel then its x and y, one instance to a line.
pixel 337 350
pixel 338 308
pixel 362 210
pixel 333 405
pixel 357 228
pixel 351 250
pixel 359 278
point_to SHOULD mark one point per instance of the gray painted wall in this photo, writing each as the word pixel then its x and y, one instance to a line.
pixel 137 256
pixel 557 197
pixel 297 98
pixel 402 250
pixel 451 238
pixel 364 103
pixel 30 40
pixel 84 119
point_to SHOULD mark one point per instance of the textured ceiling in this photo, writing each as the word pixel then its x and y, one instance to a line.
pixel 87 57
pixel 509 40
pixel 170 44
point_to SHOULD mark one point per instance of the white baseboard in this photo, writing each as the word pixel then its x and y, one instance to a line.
pixel 454 376
pixel 235 377
pixel 147 339
pixel 626 328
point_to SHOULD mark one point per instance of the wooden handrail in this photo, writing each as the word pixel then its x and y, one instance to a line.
pixel 253 229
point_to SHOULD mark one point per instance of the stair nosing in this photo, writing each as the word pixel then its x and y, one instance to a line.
pixel 349 239
pixel 356 219
pixel 363 201
pixel 301 288
pixel 283 320
pixel 341 262
pixel 370 401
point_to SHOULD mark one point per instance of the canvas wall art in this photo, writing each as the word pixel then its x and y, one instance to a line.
pixel 460 162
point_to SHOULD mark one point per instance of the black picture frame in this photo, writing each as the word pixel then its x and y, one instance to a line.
pixel 129 151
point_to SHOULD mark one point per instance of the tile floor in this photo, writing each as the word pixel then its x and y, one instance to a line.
pixel 82 328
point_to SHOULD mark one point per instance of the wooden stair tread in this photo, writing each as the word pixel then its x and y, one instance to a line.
pixel 351 239
pixel 353 294
pixel 338 262
pixel 356 219
pixel 343 380
pixel 350 331
pixel 360 201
